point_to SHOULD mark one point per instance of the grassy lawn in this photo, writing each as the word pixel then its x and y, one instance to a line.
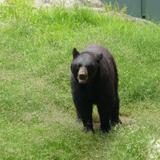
pixel 37 115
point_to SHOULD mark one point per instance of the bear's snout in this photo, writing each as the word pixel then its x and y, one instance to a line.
pixel 82 75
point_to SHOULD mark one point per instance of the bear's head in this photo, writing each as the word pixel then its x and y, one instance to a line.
pixel 84 66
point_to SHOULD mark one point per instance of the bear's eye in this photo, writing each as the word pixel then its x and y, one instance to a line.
pixel 90 66
pixel 78 66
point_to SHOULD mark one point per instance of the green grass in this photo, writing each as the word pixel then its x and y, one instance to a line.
pixel 37 116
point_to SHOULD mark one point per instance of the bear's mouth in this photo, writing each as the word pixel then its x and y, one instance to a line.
pixel 82 79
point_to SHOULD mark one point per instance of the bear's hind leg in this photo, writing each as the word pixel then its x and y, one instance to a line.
pixel 115 112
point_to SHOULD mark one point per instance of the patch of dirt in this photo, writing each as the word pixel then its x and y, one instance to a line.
pixel 124 119
pixel 69 3
pixel 2 1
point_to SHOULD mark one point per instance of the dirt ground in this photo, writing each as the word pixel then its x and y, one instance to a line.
pixel 70 3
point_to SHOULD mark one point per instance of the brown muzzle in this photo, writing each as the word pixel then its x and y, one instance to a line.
pixel 82 75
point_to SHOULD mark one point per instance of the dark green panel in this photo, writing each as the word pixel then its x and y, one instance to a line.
pixel 133 6
pixel 151 9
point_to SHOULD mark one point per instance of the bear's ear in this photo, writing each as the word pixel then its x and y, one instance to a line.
pixel 99 57
pixel 75 53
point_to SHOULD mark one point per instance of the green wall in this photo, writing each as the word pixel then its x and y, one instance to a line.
pixel 133 6
pixel 149 9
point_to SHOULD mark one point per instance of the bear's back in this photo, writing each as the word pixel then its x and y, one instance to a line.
pixel 97 49
pixel 107 63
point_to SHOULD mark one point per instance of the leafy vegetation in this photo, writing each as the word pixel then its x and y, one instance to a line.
pixel 37 114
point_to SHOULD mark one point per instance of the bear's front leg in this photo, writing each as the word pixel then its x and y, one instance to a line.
pixel 86 116
pixel 104 114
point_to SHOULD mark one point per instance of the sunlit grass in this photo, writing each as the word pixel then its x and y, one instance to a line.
pixel 37 114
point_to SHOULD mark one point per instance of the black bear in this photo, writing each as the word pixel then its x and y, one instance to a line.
pixel 94 80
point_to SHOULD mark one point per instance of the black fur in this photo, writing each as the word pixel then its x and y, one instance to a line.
pixel 101 88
